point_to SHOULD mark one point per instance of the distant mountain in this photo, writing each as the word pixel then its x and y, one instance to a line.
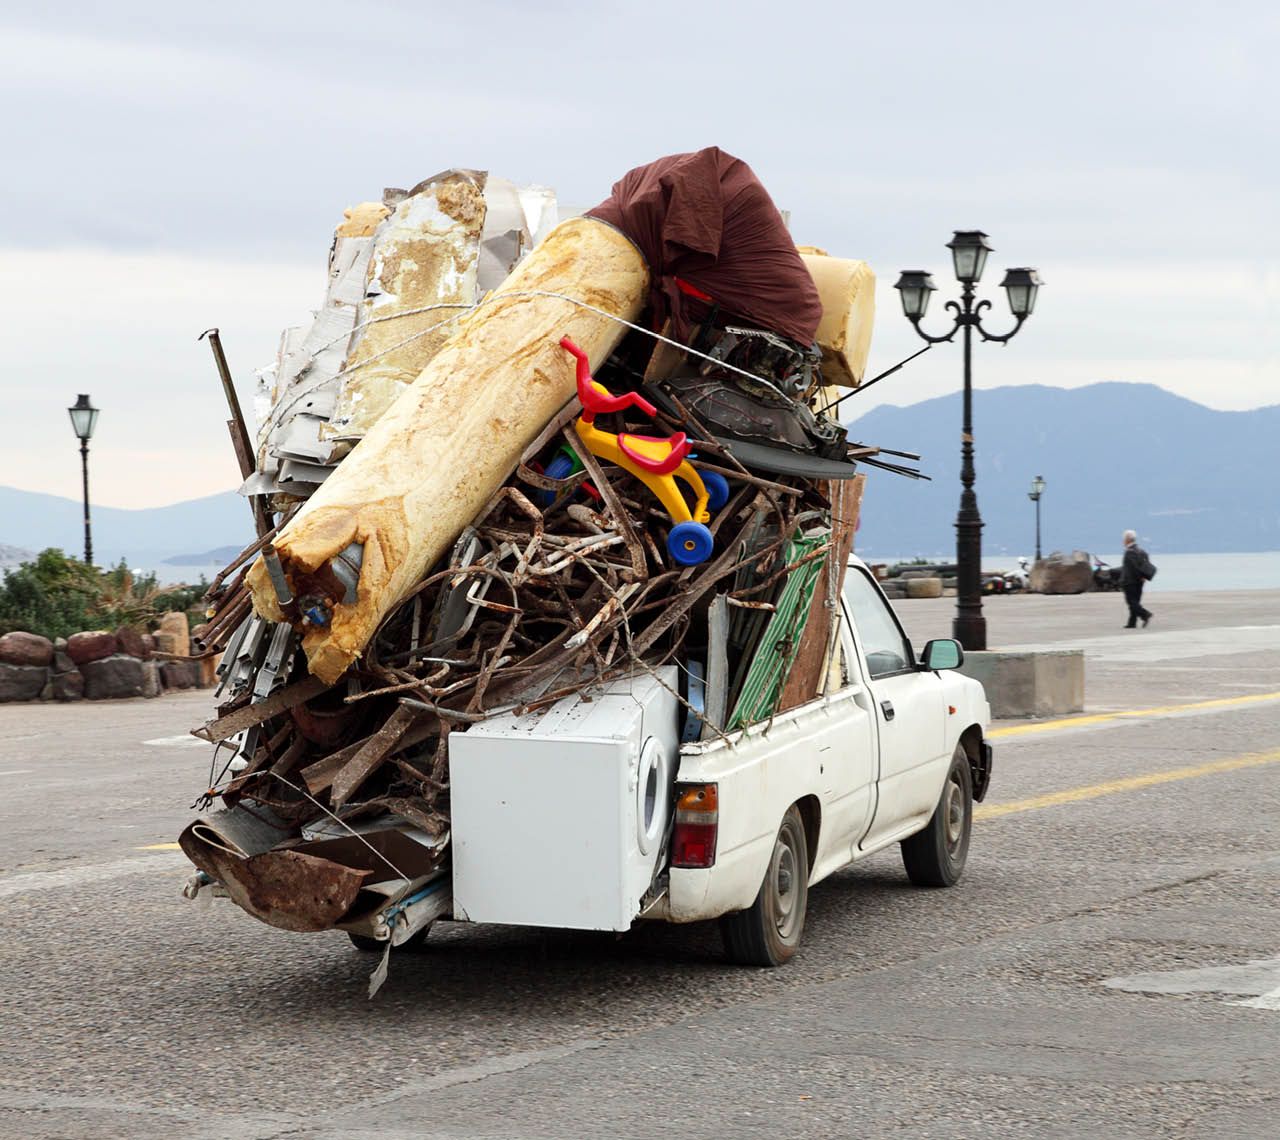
pixel 1185 477
pixel 145 538
pixel 220 555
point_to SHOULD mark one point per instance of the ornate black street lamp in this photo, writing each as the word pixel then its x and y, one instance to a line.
pixel 1037 489
pixel 969 251
pixel 84 418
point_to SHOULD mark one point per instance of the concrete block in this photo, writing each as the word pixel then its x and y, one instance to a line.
pixel 1040 682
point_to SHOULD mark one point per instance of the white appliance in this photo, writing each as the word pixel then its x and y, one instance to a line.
pixel 559 817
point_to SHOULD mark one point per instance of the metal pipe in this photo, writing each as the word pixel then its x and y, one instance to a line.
pixel 239 430
pixel 275 571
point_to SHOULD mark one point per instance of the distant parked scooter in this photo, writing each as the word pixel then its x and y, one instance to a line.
pixel 1105 577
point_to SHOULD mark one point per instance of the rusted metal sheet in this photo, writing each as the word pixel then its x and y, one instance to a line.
pixel 289 890
pixel 362 764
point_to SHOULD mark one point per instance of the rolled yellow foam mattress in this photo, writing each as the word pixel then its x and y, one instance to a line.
pixel 453 437
pixel 848 292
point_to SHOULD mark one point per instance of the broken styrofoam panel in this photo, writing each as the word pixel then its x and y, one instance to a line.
pixel 362 220
pixel 517 218
pixel 423 270
pixel 305 377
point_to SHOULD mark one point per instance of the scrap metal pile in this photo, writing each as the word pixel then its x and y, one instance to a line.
pixel 592 454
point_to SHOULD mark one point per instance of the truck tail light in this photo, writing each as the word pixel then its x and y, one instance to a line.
pixel 693 843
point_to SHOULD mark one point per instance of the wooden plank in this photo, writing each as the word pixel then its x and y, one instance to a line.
pixel 227 726
pixel 363 764
pixel 808 671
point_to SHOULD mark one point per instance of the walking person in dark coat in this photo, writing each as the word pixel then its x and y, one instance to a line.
pixel 1135 572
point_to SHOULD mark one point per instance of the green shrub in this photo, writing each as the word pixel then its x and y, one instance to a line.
pixel 56 596
pixel 52 596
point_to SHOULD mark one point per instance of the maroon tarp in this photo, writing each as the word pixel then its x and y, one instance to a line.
pixel 707 219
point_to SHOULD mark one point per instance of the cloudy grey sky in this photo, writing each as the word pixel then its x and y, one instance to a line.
pixel 171 167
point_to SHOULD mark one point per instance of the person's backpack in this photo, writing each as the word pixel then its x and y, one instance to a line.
pixel 1148 568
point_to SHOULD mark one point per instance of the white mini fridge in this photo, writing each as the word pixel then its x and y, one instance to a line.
pixel 559 817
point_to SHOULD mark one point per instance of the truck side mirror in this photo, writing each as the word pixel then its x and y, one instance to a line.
pixel 944 653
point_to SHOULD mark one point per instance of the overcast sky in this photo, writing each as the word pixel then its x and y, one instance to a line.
pixel 171 167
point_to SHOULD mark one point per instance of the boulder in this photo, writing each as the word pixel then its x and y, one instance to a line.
pixel 166 643
pixel 174 625
pixel 92 645
pixel 1062 574
pixel 68 686
pixel 22 682
pixel 151 679
pixel 924 587
pixel 133 642
pixel 112 677
pixel 180 674
pixel 209 670
pixel 26 649
pixel 62 663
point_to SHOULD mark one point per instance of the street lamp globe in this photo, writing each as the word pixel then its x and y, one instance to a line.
pixel 1021 285
pixel 84 418
pixel 1037 488
pixel 914 286
pixel 969 251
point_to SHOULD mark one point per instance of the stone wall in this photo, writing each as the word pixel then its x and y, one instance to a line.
pixel 101 664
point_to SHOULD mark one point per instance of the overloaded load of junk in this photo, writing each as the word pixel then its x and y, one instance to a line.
pixel 517 464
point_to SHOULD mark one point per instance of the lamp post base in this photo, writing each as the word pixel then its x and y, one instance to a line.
pixel 970 630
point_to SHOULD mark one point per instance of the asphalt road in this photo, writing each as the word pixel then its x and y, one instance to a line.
pixel 1084 979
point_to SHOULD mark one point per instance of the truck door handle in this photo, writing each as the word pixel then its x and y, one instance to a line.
pixel 886 707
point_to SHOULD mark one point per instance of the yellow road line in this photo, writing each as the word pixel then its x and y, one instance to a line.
pixel 1128 714
pixel 1128 784
pixel 160 847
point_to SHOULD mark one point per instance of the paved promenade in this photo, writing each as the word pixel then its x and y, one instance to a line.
pixel 1109 966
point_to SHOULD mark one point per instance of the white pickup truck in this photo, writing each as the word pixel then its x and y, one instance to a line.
pixel 593 814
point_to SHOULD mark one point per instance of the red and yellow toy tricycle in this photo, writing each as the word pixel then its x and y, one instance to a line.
pixel 656 462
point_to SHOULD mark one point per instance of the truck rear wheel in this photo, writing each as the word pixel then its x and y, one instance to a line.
pixel 935 856
pixel 768 932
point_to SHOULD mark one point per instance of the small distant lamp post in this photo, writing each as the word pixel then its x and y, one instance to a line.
pixel 84 418
pixel 1037 489
pixel 969 251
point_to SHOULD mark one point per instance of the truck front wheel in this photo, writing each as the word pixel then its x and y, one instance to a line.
pixel 935 856
pixel 768 932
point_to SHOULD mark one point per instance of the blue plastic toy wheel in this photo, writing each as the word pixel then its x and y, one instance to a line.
pixel 561 467
pixel 717 489
pixel 690 543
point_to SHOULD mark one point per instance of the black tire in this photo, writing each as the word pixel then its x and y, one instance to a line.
pixel 935 856
pixel 768 932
